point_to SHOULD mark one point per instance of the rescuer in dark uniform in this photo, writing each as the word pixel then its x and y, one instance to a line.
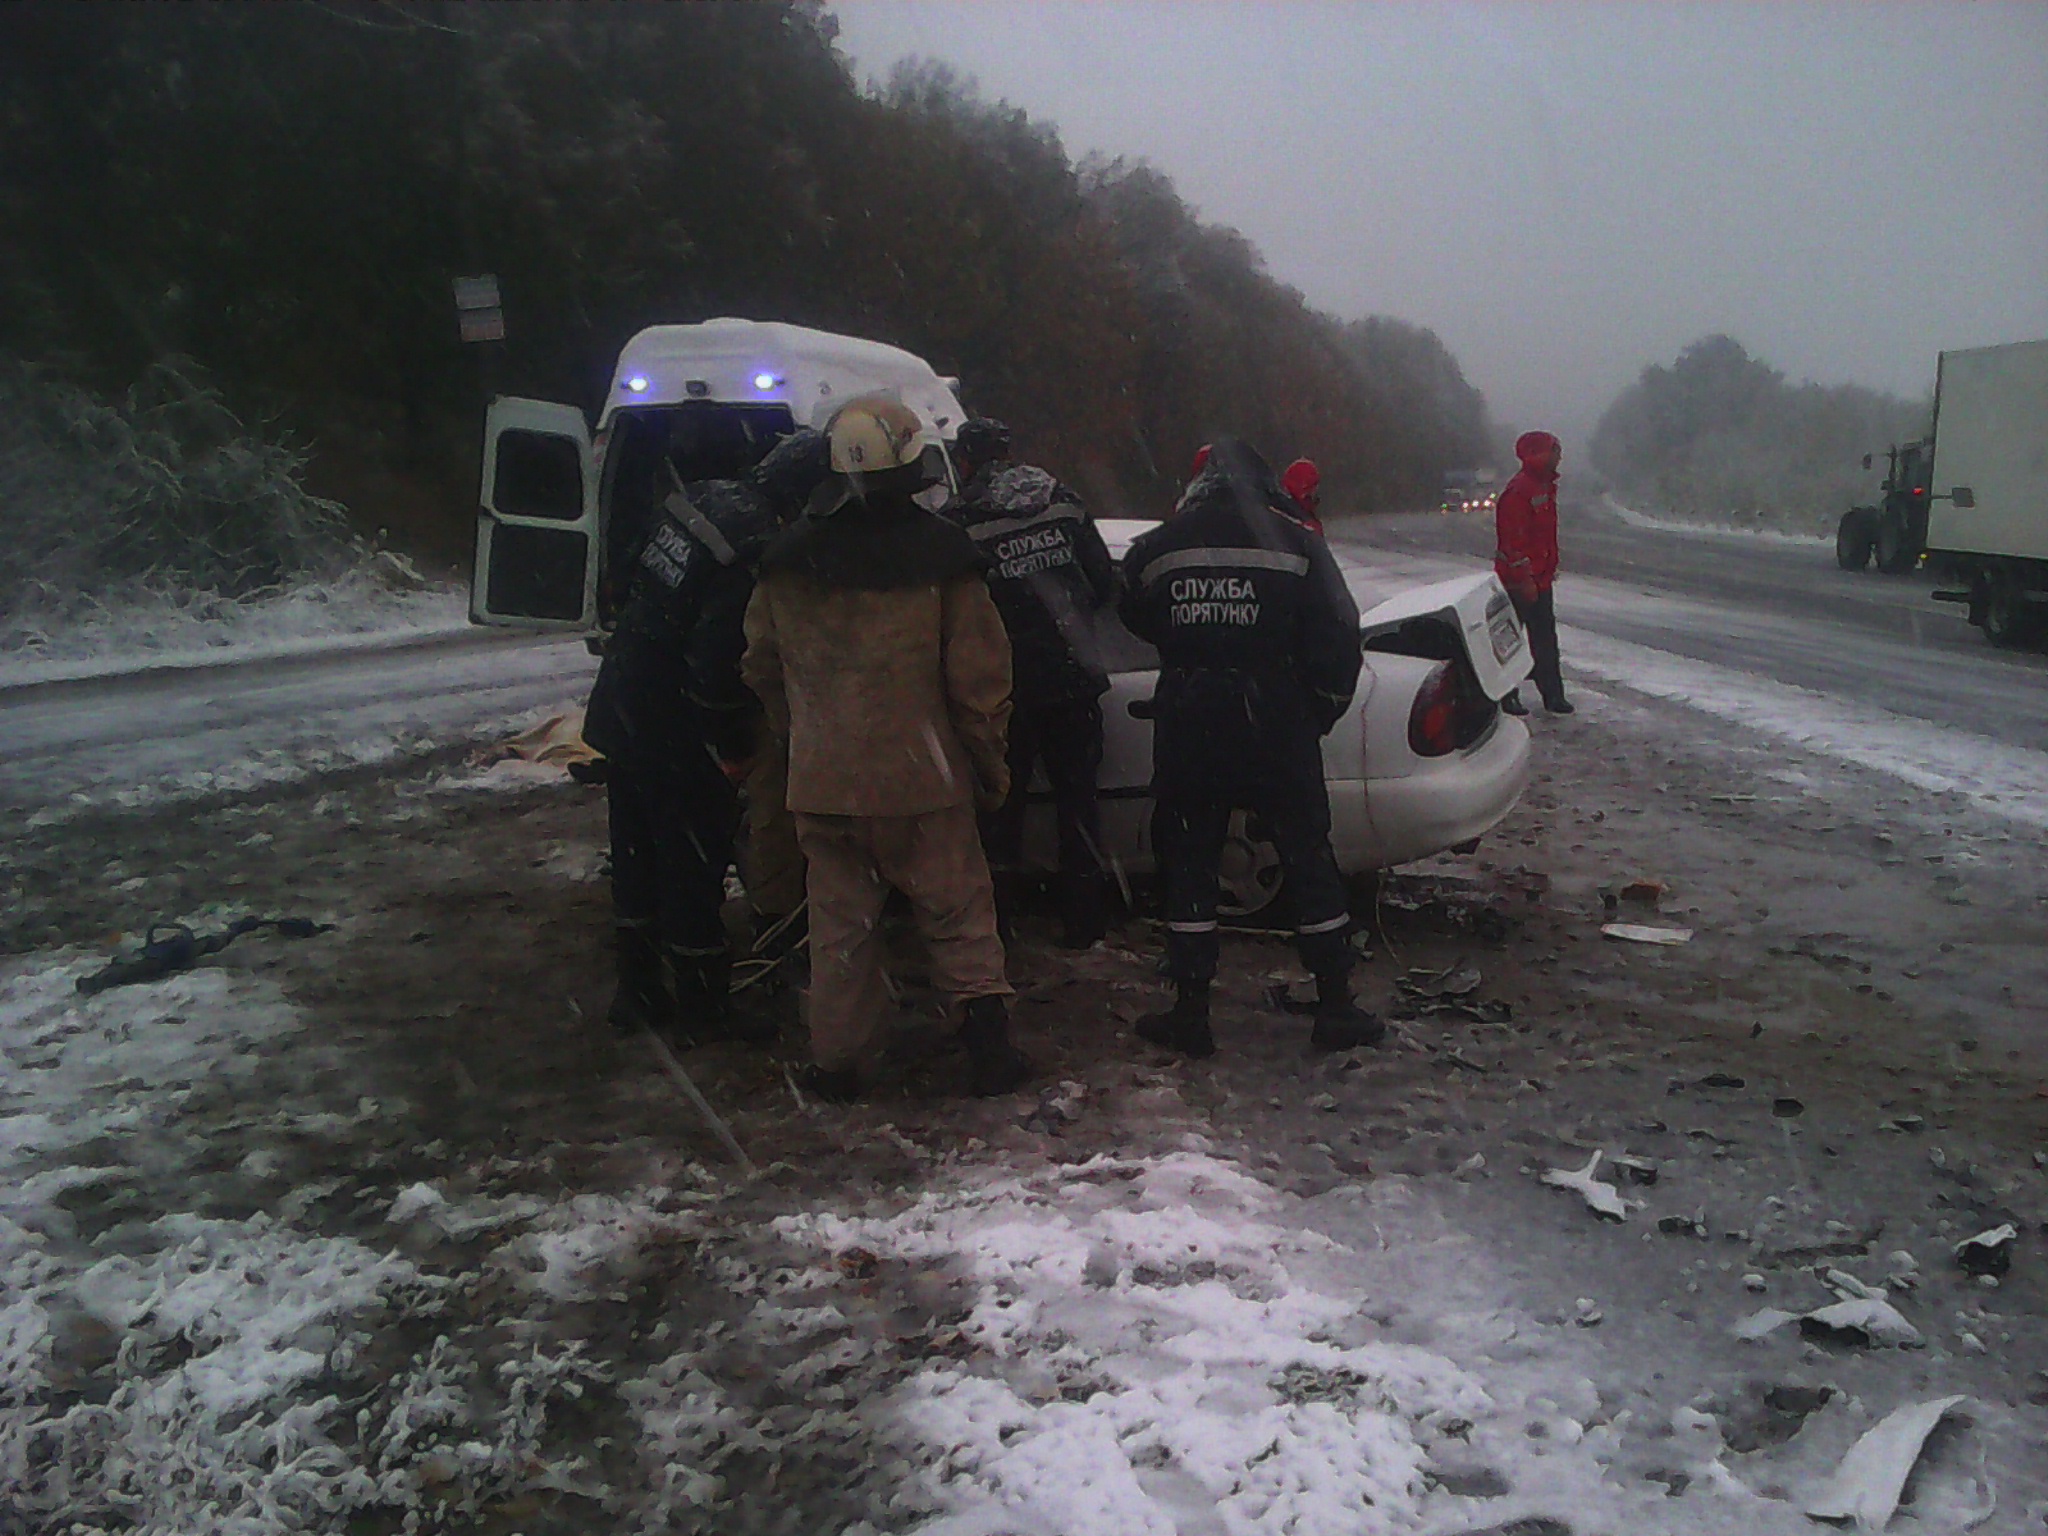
pixel 676 724
pixel 1050 575
pixel 1258 658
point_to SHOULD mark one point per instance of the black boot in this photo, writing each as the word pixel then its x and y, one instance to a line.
pixel 705 1013
pixel 1559 705
pixel 1341 1025
pixel 642 1000
pixel 1185 1026
pixel 1083 915
pixel 1511 703
pixel 997 1066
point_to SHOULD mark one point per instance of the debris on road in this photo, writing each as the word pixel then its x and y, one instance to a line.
pixel 1637 1170
pixel 1711 1080
pixel 171 947
pixel 1057 1107
pixel 1601 1199
pixel 1447 994
pixel 1644 933
pixel 1861 1314
pixel 1645 893
pixel 1988 1253
pixel 1867 1484
pixel 1788 1108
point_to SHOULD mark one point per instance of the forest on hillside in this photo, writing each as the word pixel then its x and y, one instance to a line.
pixel 272 201
pixel 1722 437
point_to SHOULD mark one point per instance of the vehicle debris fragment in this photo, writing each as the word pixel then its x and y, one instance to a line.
pixel 1867 1484
pixel 1988 1253
pixel 1860 1314
pixel 1057 1107
pixel 1601 1199
pixel 1645 933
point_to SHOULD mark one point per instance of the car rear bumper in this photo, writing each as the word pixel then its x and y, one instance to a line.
pixel 1450 800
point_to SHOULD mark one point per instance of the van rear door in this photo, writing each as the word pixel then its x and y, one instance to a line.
pixel 536 528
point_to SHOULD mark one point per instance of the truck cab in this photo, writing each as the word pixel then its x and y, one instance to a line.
pixel 563 509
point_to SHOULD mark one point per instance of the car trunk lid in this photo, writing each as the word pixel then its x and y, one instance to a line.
pixel 1471 606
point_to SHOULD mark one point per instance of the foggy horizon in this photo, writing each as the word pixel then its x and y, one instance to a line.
pixel 1569 193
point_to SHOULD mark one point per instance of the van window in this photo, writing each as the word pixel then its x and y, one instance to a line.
pixel 538 474
pixel 703 439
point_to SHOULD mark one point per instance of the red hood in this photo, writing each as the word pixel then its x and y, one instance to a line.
pixel 1531 447
pixel 1301 481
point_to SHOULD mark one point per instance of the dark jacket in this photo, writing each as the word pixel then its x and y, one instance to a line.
pixel 1525 522
pixel 1050 575
pixel 671 673
pixel 1257 631
pixel 875 647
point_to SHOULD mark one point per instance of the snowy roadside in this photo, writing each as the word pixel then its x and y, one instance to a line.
pixel 1653 522
pixel 360 611
pixel 239 1294
pixel 2007 782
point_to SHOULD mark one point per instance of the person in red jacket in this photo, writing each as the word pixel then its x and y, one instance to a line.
pixel 1303 483
pixel 1525 559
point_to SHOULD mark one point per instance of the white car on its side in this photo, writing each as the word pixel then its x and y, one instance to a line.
pixel 1423 761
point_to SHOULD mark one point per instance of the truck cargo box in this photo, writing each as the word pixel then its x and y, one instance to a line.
pixel 1991 453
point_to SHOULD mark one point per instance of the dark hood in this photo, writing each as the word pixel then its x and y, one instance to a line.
pixel 875 546
pixel 1236 476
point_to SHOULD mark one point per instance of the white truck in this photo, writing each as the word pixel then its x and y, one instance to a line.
pixel 1988 532
pixel 562 508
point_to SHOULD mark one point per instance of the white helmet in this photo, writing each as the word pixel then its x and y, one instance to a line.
pixel 872 433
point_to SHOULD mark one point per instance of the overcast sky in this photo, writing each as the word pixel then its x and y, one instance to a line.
pixel 1565 192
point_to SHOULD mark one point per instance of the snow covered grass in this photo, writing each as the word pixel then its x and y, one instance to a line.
pixel 160 529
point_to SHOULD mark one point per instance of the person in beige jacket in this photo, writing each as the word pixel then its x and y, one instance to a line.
pixel 877 651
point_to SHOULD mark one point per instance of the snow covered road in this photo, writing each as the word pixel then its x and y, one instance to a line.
pixel 1771 610
pixel 125 740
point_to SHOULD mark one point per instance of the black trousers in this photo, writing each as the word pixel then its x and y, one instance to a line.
pixel 1065 735
pixel 672 825
pixel 1539 623
pixel 1190 821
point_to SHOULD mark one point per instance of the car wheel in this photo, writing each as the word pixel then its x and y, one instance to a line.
pixel 1852 540
pixel 1249 872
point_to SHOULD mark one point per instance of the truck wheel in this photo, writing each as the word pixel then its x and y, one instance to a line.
pixel 2008 620
pixel 1852 540
pixel 1896 552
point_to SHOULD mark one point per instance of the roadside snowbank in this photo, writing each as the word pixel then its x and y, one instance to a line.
pixel 379 604
pixel 1650 520
pixel 2008 782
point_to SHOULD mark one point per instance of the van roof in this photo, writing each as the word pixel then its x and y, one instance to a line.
pixel 764 362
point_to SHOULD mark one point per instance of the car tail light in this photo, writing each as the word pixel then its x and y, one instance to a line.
pixel 1450 712
pixel 1433 719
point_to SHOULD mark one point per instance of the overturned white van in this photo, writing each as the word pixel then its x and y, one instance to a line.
pixel 562 508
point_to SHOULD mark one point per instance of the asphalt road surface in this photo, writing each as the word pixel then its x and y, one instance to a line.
pixel 1776 610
